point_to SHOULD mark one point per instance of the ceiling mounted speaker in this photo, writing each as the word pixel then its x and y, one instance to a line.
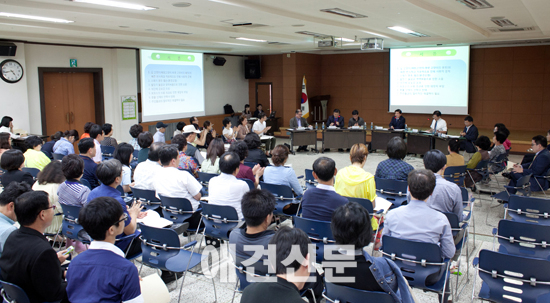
pixel 219 61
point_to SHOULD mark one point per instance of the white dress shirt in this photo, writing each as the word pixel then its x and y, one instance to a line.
pixel 441 125
pixel 258 126
pixel 98 154
pixel 5 129
pixel 145 173
pixel 175 183
pixel 159 137
pixel 226 189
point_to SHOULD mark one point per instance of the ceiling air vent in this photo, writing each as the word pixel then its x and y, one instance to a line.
pixel 502 22
pixel 243 23
pixel 476 4
pixel 168 32
pixel 513 29
pixel 277 43
pixel 341 12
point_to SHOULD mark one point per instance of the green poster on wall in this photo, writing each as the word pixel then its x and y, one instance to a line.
pixel 129 107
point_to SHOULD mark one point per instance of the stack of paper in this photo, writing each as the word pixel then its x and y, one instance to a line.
pixel 153 219
pixel 382 203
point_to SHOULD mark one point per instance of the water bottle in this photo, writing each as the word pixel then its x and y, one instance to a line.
pixel 371 126
pixel 406 128
pixel 323 126
pixel 316 126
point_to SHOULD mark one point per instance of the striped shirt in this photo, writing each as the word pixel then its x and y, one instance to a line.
pixel 72 192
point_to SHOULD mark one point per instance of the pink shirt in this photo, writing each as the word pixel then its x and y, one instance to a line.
pixel 245 172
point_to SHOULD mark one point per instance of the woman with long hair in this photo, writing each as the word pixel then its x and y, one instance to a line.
pixel 48 180
pixel 215 150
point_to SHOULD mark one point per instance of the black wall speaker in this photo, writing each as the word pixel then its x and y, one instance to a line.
pixel 252 69
pixel 7 49
pixel 219 61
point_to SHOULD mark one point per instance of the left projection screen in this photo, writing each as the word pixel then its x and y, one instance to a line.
pixel 172 85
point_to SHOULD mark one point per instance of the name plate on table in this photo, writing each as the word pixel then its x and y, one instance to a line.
pixel 300 128
pixel 332 127
pixel 355 127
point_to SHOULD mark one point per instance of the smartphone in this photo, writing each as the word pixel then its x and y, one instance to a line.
pixel 69 250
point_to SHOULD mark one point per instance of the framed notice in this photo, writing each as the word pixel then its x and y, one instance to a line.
pixel 129 107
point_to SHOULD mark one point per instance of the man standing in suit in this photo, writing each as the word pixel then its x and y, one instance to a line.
pixel 398 121
pixel 336 119
pixel 470 133
pixel 298 121
pixel 539 165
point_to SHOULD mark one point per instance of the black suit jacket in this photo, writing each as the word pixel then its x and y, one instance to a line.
pixel 332 120
pixel 256 155
pixel 256 113
pixel 471 137
pixel 17 176
pixel 29 262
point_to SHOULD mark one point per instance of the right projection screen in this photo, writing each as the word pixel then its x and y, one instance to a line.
pixel 423 80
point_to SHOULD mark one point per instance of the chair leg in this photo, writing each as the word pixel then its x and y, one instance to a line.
pixel 215 294
pixel 181 286
pixel 235 290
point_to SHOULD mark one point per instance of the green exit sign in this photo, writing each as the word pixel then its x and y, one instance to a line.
pixel 73 62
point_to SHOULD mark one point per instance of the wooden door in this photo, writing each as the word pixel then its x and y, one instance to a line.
pixel 81 100
pixel 57 103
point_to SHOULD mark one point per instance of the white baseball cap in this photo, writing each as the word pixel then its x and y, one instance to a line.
pixel 190 129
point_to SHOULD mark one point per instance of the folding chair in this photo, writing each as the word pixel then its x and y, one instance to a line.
pixel 309 179
pixel 249 164
pixel 204 178
pixel 70 228
pixel 219 221
pixel 178 210
pixel 544 179
pixel 508 278
pixel 337 293
pixel 249 183
pixel 523 186
pixel 147 198
pixel 58 156
pixel 456 228
pixel 394 191
pixel 418 261
pixel 319 233
pixel 468 202
pixel 455 174
pixel 162 249
pixel 523 239
pixel 107 152
pixel 528 210
pixel 366 203
pixel 283 195
pixel 12 293
pixel 31 170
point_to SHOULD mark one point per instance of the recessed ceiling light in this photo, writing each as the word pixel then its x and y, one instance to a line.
pixel 298 25
pixel 249 39
pixel 124 26
pixel 407 31
pixel 181 4
pixel 38 18
pixel 341 12
pixel 117 4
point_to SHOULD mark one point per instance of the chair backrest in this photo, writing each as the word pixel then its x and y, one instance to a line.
pixel 71 228
pixel 31 170
pixel 120 189
pixel 248 182
pixel 416 274
pixel 58 156
pixel 219 220
pixel 249 164
pixel 107 150
pixel 205 177
pixel 524 239
pixel 147 197
pixel 529 209
pixel 366 203
pixel 339 293
pixel 455 174
pixel 86 183
pixel 392 187
pixel 12 293
pixel 524 181
pixel 319 233
pixel 176 210
pixel 482 164
pixel 154 256
pixel 278 190
pixel 501 272
pixel 465 194
pixel 453 221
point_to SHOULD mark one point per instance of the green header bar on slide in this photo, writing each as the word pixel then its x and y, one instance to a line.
pixel 430 53
pixel 173 57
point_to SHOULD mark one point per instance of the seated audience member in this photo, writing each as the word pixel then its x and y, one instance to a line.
pixel 246 111
pixel 290 278
pixel 502 128
pixel 353 181
pixel 195 122
pixel 253 174
pixel 259 127
pixel 498 149
pixel 7 209
pixel 124 153
pixel 103 265
pixel 336 120
pixel 108 140
pixel 72 191
pixel 446 196
pixel 454 158
pixel 438 124
pixel 281 174
pixel 87 149
pixel 258 111
pixel 355 120
pixel 418 222
pixel 28 260
pixel 538 167
pixel 34 157
pixel 483 144
pixel 159 135
pixel 255 154
pixel 145 172
pixel 394 168
pixel 87 128
pixel 145 139
pixel 135 130
pixel 319 203
pixel 470 133
pixel 190 134
pixel 242 129
pixel 48 180
pixel 179 129
pixel 65 145
pixel 96 133
pixel 185 162
pixel 226 189
pixel 208 127
pixel 175 183
pixel 47 147
pixel 215 150
pixel 11 162
pixel 229 133
pixel 5 142
pixel 398 121
pixel 352 232
pixel 6 126
pixel 110 174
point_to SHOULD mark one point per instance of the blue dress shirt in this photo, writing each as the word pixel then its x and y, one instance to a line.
pixel 283 175
pixel 64 147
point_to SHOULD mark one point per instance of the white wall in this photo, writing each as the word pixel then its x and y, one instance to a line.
pixel 225 84
pixel 13 97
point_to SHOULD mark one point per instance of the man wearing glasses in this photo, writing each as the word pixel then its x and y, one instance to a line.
pixel 28 260
pixel 103 264
pixel 538 167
